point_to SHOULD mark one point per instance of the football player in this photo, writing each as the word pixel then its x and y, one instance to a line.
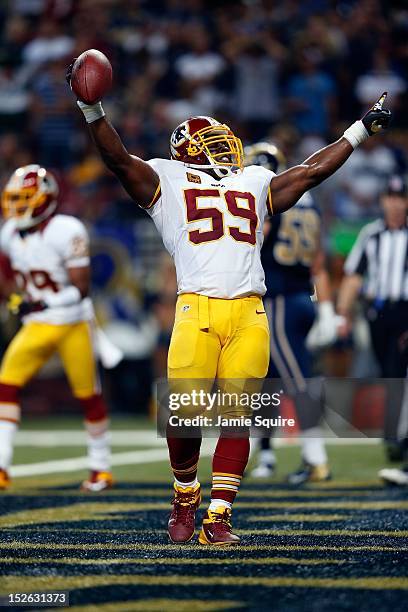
pixel 210 212
pixel 49 254
pixel 293 260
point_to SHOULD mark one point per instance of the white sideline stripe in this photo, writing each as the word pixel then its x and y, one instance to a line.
pixel 153 455
pixel 77 437
pixel 58 438
pixel 80 463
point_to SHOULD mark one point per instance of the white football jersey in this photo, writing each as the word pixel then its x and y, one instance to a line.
pixel 41 259
pixel 213 228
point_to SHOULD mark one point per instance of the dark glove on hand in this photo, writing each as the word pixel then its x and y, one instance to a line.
pixel 29 307
pixel 21 307
pixel 69 72
pixel 377 118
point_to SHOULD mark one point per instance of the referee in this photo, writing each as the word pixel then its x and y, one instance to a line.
pixel 377 269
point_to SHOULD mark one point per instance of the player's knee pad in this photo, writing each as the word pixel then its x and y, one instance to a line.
pixel 94 408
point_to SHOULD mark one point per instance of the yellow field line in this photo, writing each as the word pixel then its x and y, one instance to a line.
pixel 34 583
pixel 173 561
pixel 267 532
pixel 303 518
pixel 324 532
pixel 244 493
pixel 158 605
pixel 170 547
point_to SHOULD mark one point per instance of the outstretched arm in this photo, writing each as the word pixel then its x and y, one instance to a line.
pixel 137 177
pixel 288 187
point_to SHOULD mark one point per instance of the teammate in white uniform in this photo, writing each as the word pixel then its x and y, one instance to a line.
pixel 49 255
pixel 210 213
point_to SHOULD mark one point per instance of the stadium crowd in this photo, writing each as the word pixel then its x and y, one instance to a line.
pixel 294 73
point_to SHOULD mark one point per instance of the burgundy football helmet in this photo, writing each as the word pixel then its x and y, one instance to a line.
pixel 204 143
pixel 30 196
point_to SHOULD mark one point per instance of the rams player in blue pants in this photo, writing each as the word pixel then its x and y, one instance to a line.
pixel 293 261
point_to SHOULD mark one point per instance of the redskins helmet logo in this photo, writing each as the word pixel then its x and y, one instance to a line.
pixel 179 136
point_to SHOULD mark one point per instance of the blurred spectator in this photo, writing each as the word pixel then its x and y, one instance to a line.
pixel 311 96
pixel 256 91
pixel 53 118
pixel 14 98
pixel 380 78
pixel 362 179
pixel 50 44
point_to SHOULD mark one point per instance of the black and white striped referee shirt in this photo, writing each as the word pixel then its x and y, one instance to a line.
pixel 380 255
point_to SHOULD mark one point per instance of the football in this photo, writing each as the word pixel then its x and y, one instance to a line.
pixel 91 76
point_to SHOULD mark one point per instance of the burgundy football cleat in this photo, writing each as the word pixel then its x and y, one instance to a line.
pixel 186 502
pixel 98 481
pixel 217 528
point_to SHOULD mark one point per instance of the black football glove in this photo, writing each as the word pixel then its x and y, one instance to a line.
pixel 68 73
pixel 377 118
pixel 17 305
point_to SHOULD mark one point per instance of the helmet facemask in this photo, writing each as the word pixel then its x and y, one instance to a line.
pixel 221 147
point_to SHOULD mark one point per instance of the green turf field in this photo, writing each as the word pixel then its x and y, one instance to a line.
pixel 338 546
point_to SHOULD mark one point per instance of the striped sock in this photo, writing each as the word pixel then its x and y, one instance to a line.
pixel 224 486
pixel 229 463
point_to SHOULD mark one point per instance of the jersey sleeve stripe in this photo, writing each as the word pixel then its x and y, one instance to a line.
pixel 156 197
pixel 269 201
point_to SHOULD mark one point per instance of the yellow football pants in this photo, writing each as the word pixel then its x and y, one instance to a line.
pixel 218 339
pixel 36 342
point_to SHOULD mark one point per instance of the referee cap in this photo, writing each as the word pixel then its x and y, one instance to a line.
pixel 396 185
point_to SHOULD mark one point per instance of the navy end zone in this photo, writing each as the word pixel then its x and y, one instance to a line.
pixel 339 547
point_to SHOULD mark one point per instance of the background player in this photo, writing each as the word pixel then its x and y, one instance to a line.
pixel 377 270
pixel 293 262
pixel 49 254
pixel 210 215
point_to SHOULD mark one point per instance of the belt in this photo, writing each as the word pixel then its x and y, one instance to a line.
pixel 203 312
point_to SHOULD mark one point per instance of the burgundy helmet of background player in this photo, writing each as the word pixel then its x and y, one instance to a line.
pixel 204 143
pixel 30 196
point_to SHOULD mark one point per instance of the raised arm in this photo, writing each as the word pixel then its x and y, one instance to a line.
pixel 288 187
pixel 137 177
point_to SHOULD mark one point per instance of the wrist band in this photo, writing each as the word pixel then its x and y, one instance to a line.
pixel 356 134
pixel 92 112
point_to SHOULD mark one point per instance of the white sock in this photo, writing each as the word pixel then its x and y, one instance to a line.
pixel 99 454
pixel 216 503
pixel 313 449
pixel 7 432
pixel 185 485
pixel 267 457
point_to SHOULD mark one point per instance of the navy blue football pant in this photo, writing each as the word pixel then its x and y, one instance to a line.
pixel 290 320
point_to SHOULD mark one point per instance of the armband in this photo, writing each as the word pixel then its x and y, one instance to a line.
pixel 356 133
pixel 92 112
